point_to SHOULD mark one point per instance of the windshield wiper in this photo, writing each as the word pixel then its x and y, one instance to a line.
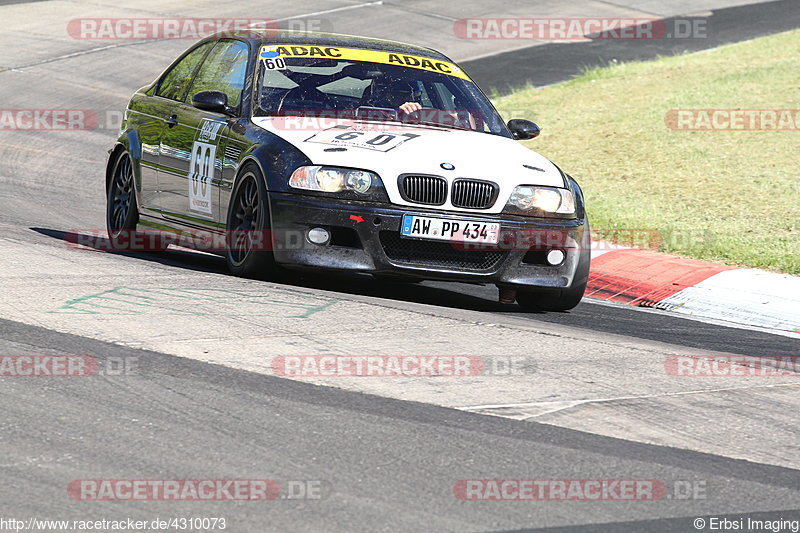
pixel 439 125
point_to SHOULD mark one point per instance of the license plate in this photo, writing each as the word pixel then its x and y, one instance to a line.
pixel 441 229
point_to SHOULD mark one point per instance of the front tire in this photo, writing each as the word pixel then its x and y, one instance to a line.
pixel 249 239
pixel 561 299
pixel 122 212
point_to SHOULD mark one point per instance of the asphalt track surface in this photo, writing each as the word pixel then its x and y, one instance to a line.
pixel 545 65
pixel 384 464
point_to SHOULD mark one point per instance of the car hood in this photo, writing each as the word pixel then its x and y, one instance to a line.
pixel 391 150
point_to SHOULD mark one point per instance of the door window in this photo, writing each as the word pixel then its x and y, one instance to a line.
pixel 175 82
pixel 223 70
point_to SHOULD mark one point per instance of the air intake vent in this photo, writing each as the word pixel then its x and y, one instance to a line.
pixel 428 190
pixel 441 255
pixel 473 194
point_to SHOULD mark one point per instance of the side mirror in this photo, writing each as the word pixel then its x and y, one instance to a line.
pixel 214 101
pixel 523 129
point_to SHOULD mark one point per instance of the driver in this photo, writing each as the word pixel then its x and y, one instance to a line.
pixel 400 95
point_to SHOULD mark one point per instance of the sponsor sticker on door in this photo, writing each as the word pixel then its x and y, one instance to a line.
pixel 201 174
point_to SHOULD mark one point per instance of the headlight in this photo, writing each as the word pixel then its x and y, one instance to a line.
pixel 541 201
pixel 359 181
pixel 332 179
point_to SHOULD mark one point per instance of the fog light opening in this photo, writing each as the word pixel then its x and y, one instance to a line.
pixel 555 257
pixel 318 236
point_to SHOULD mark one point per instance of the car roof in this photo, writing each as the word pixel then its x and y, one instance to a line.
pixel 266 37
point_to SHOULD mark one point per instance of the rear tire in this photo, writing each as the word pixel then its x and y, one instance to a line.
pixel 249 239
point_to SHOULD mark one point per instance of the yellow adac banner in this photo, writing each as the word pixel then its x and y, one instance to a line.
pixel 356 54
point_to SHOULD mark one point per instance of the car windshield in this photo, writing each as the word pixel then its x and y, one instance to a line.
pixel 439 93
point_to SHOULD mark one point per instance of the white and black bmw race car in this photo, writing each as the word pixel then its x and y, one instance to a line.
pixel 335 152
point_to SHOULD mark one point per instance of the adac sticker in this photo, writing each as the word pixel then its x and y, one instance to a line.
pixel 357 54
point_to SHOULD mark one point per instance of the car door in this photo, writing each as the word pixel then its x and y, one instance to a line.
pixel 192 149
pixel 154 113
pixel 146 117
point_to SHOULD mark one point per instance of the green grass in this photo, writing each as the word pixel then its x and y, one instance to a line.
pixel 727 196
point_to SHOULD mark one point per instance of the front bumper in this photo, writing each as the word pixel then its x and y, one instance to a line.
pixel 366 238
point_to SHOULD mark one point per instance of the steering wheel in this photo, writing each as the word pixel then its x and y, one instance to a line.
pixel 307 94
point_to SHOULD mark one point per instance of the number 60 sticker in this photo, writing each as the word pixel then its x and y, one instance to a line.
pixel 272 59
pixel 277 63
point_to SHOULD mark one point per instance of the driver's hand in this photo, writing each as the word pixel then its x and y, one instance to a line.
pixel 410 107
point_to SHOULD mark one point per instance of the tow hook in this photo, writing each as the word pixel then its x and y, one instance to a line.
pixel 507 295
